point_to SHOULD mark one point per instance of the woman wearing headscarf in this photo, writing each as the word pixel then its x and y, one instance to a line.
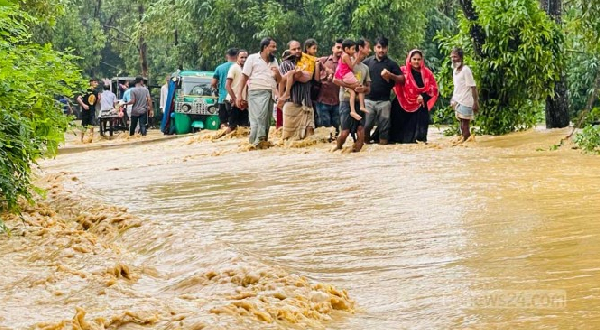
pixel 416 97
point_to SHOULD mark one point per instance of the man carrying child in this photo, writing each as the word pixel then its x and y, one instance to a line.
pixel 298 112
pixel 349 123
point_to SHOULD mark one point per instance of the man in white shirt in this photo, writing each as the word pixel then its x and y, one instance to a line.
pixel 164 90
pixel 465 99
pixel 262 74
pixel 108 101
pixel 237 116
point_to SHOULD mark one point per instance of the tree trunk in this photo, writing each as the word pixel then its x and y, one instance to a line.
pixel 478 38
pixel 142 46
pixel 557 108
pixel 448 8
pixel 98 9
pixel 477 33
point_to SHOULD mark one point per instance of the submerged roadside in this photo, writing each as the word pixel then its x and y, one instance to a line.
pixel 74 262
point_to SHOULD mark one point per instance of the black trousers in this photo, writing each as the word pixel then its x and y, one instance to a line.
pixel 238 117
pixel 224 112
pixel 143 121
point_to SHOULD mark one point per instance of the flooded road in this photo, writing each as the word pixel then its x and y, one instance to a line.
pixel 496 234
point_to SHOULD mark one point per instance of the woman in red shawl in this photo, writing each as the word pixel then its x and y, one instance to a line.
pixel 416 97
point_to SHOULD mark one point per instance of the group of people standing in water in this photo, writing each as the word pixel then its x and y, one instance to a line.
pixel 348 89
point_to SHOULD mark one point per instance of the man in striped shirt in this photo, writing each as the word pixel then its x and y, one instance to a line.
pixel 298 111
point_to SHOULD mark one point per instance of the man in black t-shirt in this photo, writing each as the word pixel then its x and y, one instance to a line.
pixel 384 74
pixel 88 103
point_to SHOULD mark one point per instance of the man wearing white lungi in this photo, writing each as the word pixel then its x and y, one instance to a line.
pixel 262 75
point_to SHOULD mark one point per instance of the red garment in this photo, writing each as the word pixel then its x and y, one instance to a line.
pixel 330 92
pixel 279 120
pixel 408 92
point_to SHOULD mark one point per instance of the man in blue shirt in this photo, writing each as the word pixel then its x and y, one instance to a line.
pixel 67 109
pixel 126 99
pixel 220 80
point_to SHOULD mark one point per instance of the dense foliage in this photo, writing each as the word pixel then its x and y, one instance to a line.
pixel 517 66
pixel 195 34
pixel 584 42
pixel 589 139
pixel 31 122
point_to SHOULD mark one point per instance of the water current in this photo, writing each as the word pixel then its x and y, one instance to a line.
pixel 497 234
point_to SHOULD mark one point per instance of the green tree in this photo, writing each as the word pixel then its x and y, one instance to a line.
pixel 583 27
pixel 557 105
pixel 206 29
pixel 513 47
pixel 583 62
pixel 82 34
pixel 402 22
pixel 31 122
pixel 132 37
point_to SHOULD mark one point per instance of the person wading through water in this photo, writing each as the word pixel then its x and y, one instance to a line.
pixel 220 80
pixel 237 116
pixel 416 96
pixel 348 123
pixel 328 100
pixel 141 107
pixel 384 74
pixel 465 99
pixel 260 71
pixel 298 111
pixel 88 103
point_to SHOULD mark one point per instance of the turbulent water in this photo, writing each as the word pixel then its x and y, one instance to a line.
pixel 497 234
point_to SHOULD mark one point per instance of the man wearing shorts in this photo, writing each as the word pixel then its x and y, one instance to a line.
pixel 465 98
pixel 88 103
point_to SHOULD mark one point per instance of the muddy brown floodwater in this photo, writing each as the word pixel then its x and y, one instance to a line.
pixel 497 234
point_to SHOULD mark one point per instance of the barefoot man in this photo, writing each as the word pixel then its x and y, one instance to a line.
pixel 361 71
pixel 262 75
pixel 88 103
pixel 465 99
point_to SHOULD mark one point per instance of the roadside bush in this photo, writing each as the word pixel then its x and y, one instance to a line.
pixel 589 139
pixel 31 121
